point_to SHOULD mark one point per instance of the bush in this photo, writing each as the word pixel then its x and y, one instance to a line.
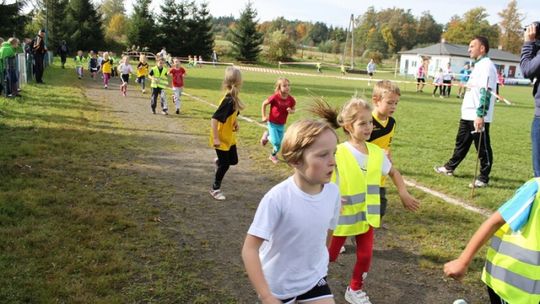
pixel 280 47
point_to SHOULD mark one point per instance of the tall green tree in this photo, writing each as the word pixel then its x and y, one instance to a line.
pixel 172 33
pixel 142 30
pixel 427 29
pixel 245 38
pixel 12 20
pixel 200 29
pixel 474 23
pixel 58 27
pixel 511 28
pixel 84 26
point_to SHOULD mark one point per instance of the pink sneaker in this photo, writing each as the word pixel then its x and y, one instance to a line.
pixel 274 159
pixel 264 138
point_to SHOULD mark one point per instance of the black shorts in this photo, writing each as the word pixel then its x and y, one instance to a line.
pixel 125 78
pixel 370 74
pixel 420 80
pixel 321 290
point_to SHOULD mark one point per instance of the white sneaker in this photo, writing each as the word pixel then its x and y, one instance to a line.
pixel 342 249
pixel 356 297
pixel 217 194
pixel 443 170
pixel 478 184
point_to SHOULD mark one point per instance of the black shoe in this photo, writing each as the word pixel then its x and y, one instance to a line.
pixel 153 111
pixel 177 111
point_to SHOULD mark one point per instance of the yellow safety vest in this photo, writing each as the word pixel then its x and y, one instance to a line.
pixel 160 80
pixel 512 267
pixel 79 60
pixel 360 191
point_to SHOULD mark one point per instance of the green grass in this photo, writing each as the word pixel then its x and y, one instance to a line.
pixel 76 224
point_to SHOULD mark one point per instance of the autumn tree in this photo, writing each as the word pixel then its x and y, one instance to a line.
pixel 474 23
pixel 142 29
pixel 280 47
pixel 110 8
pixel 117 28
pixel 511 28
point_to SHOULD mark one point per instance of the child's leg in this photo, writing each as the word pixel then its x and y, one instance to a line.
pixel 106 77
pixel 176 97
pixel 143 82
pixel 179 97
pixel 335 246
pixel 225 160
pixel 275 135
pixel 364 253
pixel 494 298
pixel 153 99
pixel 163 100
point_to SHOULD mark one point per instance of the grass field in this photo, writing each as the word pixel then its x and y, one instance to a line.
pixel 68 235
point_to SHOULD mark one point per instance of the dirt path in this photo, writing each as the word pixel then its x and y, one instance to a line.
pixel 215 230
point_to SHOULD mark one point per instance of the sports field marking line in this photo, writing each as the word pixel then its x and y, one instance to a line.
pixel 409 183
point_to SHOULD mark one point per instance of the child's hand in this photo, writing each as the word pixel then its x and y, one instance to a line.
pixel 217 142
pixel 236 127
pixel 270 300
pixel 409 202
pixel 455 269
pixel 264 119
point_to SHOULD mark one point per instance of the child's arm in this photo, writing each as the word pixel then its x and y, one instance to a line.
pixel 458 268
pixel 263 110
pixel 408 201
pixel 214 125
pixel 291 110
pixel 236 126
pixel 252 262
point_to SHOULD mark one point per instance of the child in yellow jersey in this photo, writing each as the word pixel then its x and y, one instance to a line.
pixel 385 99
pixel 142 72
pixel 224 125
pixel 106 69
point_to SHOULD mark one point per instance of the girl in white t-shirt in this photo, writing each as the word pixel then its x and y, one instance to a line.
pixel 124 69
pixel 285 252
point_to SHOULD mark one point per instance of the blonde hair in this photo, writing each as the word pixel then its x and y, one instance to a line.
pixel 340 118
pixel 384 87
pixel 106 55
pixel 231 84
pixel 142 58
pixel 125 58
pixel 13 41
pixel 279 83
pixel 300 136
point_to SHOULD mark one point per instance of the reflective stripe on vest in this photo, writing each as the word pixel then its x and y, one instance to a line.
pixel 512 267
pixel 359 190
pixel 159 80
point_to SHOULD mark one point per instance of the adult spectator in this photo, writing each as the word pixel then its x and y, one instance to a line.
pixel 476 114
pixel 8 52
pixel 38 50
pixel 530 66
pixel 63 51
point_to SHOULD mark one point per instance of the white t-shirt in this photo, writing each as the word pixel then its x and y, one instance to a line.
pixel 448 75
pixel 361 158
pixel 484 70
pixel 125 68
pixel 295 225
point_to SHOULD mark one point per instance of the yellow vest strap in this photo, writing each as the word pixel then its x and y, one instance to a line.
pixel 353 199
pixel 524 255
pixel 352 219
pixel 512 278
pixel 373 189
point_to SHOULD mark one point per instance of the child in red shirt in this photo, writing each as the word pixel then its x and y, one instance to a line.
pixel 281 104
pixel 178 74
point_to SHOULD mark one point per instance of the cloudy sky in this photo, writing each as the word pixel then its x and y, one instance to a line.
pixel 337 12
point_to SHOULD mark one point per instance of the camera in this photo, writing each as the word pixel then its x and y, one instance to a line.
pixel 537 26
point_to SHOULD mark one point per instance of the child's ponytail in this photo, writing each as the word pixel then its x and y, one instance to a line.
pixel 323 110
pixel 232 83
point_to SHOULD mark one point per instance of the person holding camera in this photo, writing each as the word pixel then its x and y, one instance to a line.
pixel 530 66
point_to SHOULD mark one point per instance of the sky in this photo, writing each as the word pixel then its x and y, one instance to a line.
pixel 338 12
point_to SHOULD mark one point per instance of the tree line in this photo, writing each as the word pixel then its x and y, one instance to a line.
pixel 185 27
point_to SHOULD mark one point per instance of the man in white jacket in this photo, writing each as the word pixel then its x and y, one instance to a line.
pixel 476 114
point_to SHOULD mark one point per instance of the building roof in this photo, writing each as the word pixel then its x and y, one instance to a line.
pixel 450 49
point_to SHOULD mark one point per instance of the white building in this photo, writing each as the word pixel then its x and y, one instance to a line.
pixel 441 54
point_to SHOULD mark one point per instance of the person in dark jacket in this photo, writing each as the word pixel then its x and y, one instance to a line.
pixel 63 51
pixel 39 49
pixel 530 66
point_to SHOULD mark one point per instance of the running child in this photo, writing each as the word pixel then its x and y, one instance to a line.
pixel 160 82
pixel 124 69
pixel 106 69
pixel 80 60
pixel 142 72
pixel 512 259
pixel 285 251
pixel 224 125
pixel 359 168
pixel 93 66
pixel 385 99
pixel 281 104
pixel 438 83
pixel 178 73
